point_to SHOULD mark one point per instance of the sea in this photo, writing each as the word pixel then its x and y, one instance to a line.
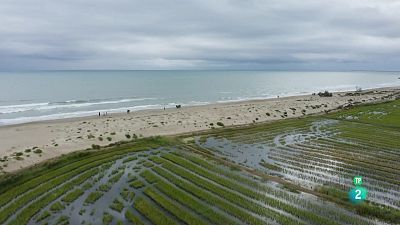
pixel 46 95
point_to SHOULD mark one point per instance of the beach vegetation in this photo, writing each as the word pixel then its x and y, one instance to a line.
pixel 94 146
pixel 37 151
pixel 325 94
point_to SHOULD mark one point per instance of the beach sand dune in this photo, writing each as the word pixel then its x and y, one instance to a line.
pixel 31 143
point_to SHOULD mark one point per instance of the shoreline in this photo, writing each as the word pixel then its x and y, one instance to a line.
pixel 61 136
pixel 218 103
pixel 118 111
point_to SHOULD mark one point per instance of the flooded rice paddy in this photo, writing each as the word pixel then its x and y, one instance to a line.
pixel 287 172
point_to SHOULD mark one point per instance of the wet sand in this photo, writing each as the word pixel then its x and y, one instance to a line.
pixel 58 137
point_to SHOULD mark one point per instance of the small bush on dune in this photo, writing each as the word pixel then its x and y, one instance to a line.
pixel 37 151
pixel 94 146
pixel 220 124
pixel 325 94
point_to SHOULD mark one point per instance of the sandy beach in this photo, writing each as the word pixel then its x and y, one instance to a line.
pixel 27 144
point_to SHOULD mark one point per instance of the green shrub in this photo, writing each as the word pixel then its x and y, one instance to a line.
pixel 37 151
pixel 94 146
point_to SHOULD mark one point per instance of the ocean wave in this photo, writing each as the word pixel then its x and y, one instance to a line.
pixel 64 104
pixel 76 114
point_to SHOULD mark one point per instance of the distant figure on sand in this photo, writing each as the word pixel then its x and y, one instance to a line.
pixel 99 113
pixel 128 111
pixel 178 106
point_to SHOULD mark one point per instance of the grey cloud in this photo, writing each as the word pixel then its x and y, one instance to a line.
pixel 200 34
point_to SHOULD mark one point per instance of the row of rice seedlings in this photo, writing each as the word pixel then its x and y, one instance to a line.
pixel 303 214
pixel 93 197
pixel 348 160
pixel 117 205
pixel 370 145
pixel 380 140
pixel 129 159
pixel 359 148
pixel 36 192
pixel 354 163
pixel 25 187
pixel 265 136
pixel 155 215
pixel 132 218
pixel 73 195
pixel 185 198
pixel 323 163
pixel 180 212
pixel 32 209
pixel 127 195
pixel 107 218
pixel 233 198
pixel 73 169
pixel 46 214
pixel 273 192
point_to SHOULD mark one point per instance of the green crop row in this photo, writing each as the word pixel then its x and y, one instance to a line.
pixel 73 195
pixel 129 159
pixel 28 212
pixel 303 214
pixel 14 185
pixel 188 200
pixel 230 196
pixel 93 197
pixel 221 203
pixel 178 211
pixel 155 215
pixel 117 205
pixel 24 199
pixel 147 175
pixel 132 218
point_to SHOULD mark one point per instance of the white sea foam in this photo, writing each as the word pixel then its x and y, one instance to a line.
pixel 63 105
pixel 20 120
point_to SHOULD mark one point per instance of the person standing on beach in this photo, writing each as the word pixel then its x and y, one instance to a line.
pixel 99 113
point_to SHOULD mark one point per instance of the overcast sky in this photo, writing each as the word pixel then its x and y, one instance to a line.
pixel 200 34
